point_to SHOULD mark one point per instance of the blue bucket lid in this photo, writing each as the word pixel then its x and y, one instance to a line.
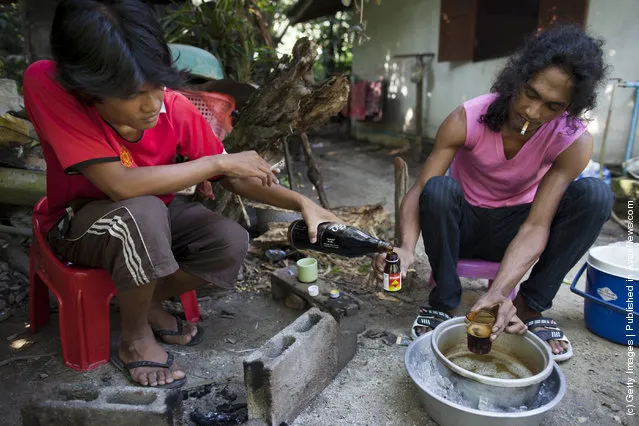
pixel 619 259
pixel 196 61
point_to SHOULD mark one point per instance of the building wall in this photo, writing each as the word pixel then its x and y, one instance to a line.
pixel 412 26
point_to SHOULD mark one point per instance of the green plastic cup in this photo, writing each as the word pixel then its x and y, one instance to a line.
pixel 307 270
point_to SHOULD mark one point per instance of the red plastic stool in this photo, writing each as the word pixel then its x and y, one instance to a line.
pixel 479 269
pixel 84 296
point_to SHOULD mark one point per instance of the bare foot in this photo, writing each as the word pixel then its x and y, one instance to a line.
pixel 162 320
pixel 145 348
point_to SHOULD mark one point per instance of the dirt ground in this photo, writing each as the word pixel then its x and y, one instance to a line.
pixel 374 388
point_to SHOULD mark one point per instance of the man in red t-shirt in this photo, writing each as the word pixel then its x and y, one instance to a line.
pixel 110 130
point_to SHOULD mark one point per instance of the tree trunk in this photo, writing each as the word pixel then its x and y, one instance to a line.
pixel 289 103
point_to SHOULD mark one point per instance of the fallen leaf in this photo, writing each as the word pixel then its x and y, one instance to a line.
pixel 382 296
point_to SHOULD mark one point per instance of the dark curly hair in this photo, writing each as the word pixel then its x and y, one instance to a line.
pixel 566 47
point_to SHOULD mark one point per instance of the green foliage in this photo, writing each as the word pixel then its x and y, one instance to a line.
pixel 12 60
pixel 230 30
pixel 333 37
pixel 284 181
pixel 226 28
pixel 365 268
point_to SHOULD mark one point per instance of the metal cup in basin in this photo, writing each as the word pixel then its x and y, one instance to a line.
pixel 447 412
pixel 481 390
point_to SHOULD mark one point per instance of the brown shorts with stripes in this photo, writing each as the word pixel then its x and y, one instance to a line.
pixel 141 239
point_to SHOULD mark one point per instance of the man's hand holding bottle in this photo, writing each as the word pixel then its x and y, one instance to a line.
pixel 406 259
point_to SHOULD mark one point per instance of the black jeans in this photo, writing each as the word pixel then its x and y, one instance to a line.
pixel 454 229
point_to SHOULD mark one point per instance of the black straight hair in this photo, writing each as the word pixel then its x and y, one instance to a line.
pixel 109 49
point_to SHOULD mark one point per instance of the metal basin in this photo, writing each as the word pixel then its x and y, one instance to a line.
pixel 528 350
pixel 448 413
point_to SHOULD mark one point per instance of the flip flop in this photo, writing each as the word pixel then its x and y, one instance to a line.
pixel 126 369
pixel 547 329
pixel 430 318
pixel 180 332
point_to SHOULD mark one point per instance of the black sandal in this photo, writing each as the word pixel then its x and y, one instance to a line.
pixel 428 318
pixel 180 332
pixel 126 369
pixel 547 329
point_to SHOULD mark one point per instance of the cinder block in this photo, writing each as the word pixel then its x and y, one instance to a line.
pixel 292 368
pixel 84 405
pixel 350 328
pixel 255 422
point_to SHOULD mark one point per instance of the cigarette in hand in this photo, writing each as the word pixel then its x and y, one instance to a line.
pixel 523 129
pixel 278 166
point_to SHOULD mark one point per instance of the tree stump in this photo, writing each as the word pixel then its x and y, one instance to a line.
pixel 290 102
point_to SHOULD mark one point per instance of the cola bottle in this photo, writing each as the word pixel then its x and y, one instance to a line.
pixel 336 238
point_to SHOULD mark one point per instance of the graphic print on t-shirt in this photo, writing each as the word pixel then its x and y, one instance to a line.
pixel 126 158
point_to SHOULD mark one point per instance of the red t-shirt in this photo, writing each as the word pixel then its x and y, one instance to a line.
pixel 73 135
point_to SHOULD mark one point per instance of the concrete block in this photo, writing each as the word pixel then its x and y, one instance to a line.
pixel 84 405
pixel 292 368
pixel 350 328
pixel 255 422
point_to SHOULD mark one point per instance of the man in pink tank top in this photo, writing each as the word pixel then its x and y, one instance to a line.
pixel 511 196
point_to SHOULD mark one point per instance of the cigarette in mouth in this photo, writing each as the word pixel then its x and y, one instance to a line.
pixel 523 129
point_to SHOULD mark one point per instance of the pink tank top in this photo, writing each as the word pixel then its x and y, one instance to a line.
pixel 488 179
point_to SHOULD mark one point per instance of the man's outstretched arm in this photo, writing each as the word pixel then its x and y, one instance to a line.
pixel 279 196
pixel 450 137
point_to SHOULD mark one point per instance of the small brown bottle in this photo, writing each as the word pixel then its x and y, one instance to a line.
pixel 392 273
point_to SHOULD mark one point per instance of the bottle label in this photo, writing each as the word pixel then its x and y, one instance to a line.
pixel 331 242
pixel 393 282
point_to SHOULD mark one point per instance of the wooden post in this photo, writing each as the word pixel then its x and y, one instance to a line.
pixel 401 188
pixel 417 148
pixel 313 170
pixel 289 163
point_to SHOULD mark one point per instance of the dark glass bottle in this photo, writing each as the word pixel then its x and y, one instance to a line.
pixel 336 238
